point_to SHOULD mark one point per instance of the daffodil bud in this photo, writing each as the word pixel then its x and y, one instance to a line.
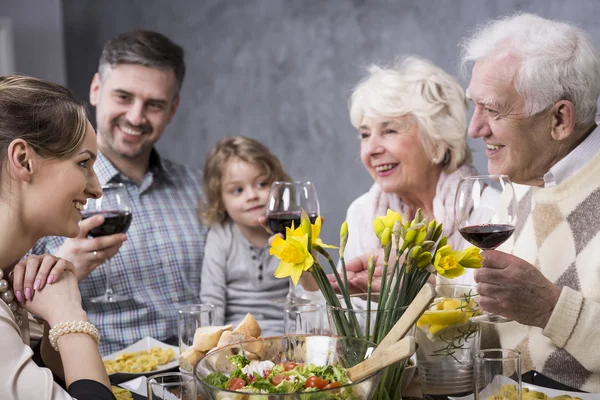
pixel 386 237
pixel 410 236
pixel 343 237
pixel 415 252
pixel 438 232
pixel 431 229
pixel 371 269
pixel 427 245
pixel 424 259
pixel 421 236
pixel 378 227
pixel 418 216
pixel 443 242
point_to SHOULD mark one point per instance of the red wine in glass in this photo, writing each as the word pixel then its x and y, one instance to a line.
pixel 485 211
pixel 115 207
pixel 115 221
pixel 279 221
pixel 487 236
pixel 287 201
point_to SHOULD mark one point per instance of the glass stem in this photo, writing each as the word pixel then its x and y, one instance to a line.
pixel 109 292
pixel 291 296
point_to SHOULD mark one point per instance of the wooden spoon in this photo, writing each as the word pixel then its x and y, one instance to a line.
pixel 391 354
pixel 410 316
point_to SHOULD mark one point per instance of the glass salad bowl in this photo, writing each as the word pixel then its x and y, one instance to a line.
pixel 329 355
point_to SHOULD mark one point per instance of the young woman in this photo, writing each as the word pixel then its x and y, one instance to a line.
pixel 47 150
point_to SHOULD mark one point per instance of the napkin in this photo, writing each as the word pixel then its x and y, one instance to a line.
pixel 139 386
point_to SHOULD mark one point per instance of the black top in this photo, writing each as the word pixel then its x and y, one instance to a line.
pixel 86 389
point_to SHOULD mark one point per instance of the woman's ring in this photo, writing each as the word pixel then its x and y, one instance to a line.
pixel 96 255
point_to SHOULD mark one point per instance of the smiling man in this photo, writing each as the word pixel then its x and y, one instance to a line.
pixel 534 86
pixel 136 92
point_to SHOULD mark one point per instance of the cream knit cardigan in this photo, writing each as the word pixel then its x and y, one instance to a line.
pixel 558 231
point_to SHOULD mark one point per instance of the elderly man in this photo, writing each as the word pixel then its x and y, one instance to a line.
pixel 534 86
pixel 157 263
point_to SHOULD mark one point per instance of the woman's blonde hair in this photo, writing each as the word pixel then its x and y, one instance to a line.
pixel 416 87
pixel 212 210
pixel 44 114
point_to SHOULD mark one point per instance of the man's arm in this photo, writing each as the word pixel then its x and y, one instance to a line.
pixel 515 289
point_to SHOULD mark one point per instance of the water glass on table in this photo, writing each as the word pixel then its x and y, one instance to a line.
pixel 497 373
pixel 304 319
pixel 190 318
pixel 172 386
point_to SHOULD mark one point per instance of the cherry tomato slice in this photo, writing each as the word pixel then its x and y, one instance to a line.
pixel 290 366
pixel 277 379
pixel 332 385
pixel 236 383
pixel 315 381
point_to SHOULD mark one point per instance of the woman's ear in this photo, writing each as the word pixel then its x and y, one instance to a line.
pixel 563 120
pixel 20 161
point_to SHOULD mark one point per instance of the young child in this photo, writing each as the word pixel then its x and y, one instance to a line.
pixel 237 272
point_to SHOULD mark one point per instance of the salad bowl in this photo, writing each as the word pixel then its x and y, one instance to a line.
pixel 301 367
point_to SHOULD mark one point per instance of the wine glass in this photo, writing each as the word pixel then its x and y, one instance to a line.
pixel 286 202
pixel 115 207
pixel 485 211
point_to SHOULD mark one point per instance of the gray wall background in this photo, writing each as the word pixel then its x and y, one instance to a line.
pixel 38 42
pixel 281 71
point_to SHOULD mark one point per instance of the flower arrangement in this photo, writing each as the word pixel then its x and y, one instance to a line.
pixel 420 250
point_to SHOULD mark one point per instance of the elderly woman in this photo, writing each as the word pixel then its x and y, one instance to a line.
pixel 412 122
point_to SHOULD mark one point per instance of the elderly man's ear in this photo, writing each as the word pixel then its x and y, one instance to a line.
pixel 563 120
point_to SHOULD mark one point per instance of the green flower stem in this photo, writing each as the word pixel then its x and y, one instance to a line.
pixel 345 274
pixel 353 320
pixel 368 325
pixel 342 324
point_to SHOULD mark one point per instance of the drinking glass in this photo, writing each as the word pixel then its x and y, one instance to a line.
pixel 447 342
pixel 485 211
pixel 172 386
pixel 190 318
pixel 286 202
pixel 303 319
pixel 115 207
pixel 498 374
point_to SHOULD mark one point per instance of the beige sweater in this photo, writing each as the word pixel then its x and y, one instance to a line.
pixel 558 231
pixel 21 377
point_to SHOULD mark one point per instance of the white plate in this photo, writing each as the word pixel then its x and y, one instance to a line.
pixel 547 391
pixel 146 344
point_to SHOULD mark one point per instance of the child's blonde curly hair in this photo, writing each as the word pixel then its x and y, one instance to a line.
pixel 211 209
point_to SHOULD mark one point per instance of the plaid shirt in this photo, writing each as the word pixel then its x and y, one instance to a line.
pixel 159 265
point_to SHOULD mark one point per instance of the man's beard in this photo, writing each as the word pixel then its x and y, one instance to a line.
pixel 109 141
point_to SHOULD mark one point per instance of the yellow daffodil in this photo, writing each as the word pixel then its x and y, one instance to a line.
pixel 471 258
pixel 386 222
pixel 446 263
pixel 294 255
pixel 316 231
pixel 451 264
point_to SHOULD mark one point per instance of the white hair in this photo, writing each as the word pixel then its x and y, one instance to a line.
pixel 557 61
pixel 416 87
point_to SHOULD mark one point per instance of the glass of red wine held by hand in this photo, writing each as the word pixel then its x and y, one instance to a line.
pixel 285 205
pixel 115 207
pixel 485 212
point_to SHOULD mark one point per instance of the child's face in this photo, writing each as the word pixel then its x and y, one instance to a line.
pixel 245 192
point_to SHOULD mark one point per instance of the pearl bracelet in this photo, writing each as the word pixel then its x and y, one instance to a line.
pixel 65 327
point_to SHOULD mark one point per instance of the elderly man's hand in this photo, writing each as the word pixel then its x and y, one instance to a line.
pixel 515 289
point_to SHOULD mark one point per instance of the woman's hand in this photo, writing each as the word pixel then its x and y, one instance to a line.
pixel 358 277
pixel 32 274
pixel 58 302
